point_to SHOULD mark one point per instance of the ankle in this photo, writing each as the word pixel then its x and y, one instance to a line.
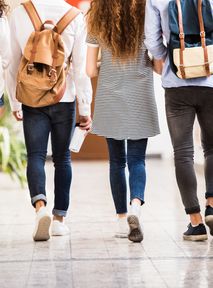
pixel 39 204
pixel 58 218
pixel 196 219
pixel 122 216
pixel 209 202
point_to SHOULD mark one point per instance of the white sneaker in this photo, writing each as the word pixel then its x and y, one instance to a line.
pixel 59 228
pixel 135 227
pixel 122 228
pixel 42 225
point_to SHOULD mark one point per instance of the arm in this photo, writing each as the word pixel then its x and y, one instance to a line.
pixel 158 66
pixel 82 81
pixel 92 58
pixel 11 73
pixel 5 42
pixel 153 32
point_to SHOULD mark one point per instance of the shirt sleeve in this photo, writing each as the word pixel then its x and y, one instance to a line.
pixel 81 80
pixel 153 32
pixel 92 41
pixel 11 73
pixel 5 42
pixel 4 50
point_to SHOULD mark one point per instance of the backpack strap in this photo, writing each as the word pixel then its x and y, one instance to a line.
pixel 33 15
pixel 66 20
pixel 203 37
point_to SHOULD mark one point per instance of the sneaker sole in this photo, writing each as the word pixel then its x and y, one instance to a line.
pixel 195 237
pixel 135 234
pixel 209 223
pixel 121 236
pixel 42 233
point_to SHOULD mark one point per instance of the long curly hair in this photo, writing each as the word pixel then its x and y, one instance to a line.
pixel 3 7
pixel 118 24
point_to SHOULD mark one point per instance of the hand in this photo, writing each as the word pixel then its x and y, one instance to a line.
pixel 158 66
pixel 18 115
pixel 85 122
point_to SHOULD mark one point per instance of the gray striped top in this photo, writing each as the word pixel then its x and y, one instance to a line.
pixel 125 106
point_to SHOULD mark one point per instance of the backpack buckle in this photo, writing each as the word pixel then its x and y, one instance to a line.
pixel 30 68
pixel 202 34
pixel 181 35
pixel 53 75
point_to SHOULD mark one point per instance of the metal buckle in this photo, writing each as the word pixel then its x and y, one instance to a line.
pixel 181 35
pixel 202 34
pixel 30 67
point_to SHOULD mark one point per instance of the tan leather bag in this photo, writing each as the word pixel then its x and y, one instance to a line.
pixel 193 62
pixel 41 79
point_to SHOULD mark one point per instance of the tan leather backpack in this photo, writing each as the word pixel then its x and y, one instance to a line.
pixel 41 79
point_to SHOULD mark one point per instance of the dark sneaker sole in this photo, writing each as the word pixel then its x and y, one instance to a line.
pixel 42 233
pixel 209 223
pixel 135 234
pixel 195 237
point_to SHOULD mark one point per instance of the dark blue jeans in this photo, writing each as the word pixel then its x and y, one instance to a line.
pixel 2 101
pixel 59 121
pixel 134 156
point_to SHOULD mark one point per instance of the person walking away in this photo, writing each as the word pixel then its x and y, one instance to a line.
pixel 36 67
pixel 188 93
pixel 125 108
pixel 4 51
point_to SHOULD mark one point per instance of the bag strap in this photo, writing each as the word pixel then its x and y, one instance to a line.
pixel 33 15
pixel 66 20
pixel 182 38
pixel 203 37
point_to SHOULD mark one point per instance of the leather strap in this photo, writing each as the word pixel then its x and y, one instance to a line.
pixel 203 37
pixel 182 39
pixel 66 20
pixel 33 15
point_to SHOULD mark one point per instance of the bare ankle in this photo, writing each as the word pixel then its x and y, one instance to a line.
pixel 196 219
pixel 120 216
pixel 209 202
pixel 58 218
pixel 39 204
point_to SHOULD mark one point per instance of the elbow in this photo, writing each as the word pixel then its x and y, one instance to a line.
pixel 92 72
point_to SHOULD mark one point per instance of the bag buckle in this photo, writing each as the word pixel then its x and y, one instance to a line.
pixel 53 75
pixel 181 35
pixel 30 68
pixel 202 34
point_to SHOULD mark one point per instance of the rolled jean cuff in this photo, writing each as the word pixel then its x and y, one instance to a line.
pixel 142 201
pixel 209 194
pixel 60 213
pixel 40 197
pixel 192 210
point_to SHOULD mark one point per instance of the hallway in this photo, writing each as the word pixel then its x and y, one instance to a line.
pixel 91 257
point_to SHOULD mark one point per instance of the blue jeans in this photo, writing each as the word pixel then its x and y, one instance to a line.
pixel 135 159
pixel 59 121
pixel 2 101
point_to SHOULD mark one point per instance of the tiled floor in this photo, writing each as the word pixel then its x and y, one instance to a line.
pixel 91 257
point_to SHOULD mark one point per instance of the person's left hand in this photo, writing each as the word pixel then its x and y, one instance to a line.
pixel 85 122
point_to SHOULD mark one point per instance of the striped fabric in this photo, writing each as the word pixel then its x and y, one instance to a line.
pixel 125 106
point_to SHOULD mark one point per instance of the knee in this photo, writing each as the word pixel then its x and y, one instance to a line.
pixel 117 163
pixel 61 158
pixel 183 155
